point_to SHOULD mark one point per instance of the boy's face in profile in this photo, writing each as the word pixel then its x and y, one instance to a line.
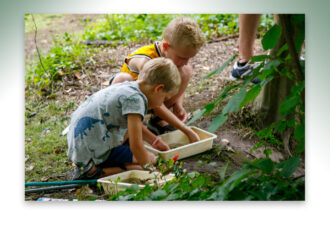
pixel 180 55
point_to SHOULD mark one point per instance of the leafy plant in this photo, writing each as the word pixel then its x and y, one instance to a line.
pixel 240 94
pixel 261 179
pixel 140 27
pixel 64 58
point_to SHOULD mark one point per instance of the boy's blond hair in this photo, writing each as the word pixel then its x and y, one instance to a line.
pixel 184 31
pixel 161 71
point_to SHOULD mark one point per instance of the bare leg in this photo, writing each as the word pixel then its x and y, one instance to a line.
pixel 248 25
pixel 130 166
pixel 115 170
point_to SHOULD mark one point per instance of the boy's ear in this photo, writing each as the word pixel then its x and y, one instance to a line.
pixel 166 44
pixel 159 87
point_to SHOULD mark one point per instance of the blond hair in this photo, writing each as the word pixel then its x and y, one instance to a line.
pixel 161 71
pixel 184 31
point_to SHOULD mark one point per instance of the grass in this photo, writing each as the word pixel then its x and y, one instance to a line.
pixel 41 20
pixel 45 147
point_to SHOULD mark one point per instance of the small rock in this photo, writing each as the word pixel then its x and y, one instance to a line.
pixel 224 142
pixel 45 178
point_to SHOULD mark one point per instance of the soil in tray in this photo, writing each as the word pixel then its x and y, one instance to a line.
pixel 175 145
pixel 134 180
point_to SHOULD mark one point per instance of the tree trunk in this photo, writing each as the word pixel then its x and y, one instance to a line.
pixel 273 94
pixel 268 102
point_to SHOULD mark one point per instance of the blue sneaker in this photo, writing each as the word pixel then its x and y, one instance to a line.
pixel 239 72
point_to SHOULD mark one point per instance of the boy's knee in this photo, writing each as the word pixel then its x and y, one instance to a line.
pixel 121 77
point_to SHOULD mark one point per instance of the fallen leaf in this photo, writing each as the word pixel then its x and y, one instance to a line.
pixel 30 168
pixel 106 83
pixel 77 75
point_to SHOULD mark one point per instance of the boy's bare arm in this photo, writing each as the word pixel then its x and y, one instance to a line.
pixel 134 125
pixel 151 138
pixel 177 100
pixel 137 63
pixel 164 113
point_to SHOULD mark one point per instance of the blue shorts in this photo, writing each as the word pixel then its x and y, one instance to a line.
pixel 118 157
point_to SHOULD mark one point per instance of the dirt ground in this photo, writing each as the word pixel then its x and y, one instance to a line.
pixel 233 141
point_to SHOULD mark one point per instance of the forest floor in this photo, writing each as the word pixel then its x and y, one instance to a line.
pixel 234 139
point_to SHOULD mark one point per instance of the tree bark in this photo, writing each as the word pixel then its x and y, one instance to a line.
pixel 268 102
pixel 273 94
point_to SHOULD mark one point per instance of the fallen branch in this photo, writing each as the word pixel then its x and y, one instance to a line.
pixel 223 38
pixel 35 41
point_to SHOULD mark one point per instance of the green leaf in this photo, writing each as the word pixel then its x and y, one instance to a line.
pixel 251 95
pixel 267 152
pixel 299 132
pixel 290 166
pixel 198 182
pixel 223 94
pixel 217 122
pixel 231 183
pixel 271 64
pixel 222 171
pixel 159 194
pixel 266 165
pixel 297 89
pixel 281 125
pixel 191 174
pixel 291 122
pixel 271 37
pixel 282 49
pixel 197 116
pixel 301 146
pixel 265 81
pixel 219 70
pixel 173 196
pixel 234 103
pixel 265 73
pixel 289 104
pixel 212 163
pixel 259 58
pixel 194 192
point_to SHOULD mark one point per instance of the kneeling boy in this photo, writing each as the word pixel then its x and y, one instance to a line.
pixel 99 124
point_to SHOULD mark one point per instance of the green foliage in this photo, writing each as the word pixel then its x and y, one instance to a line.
pixel 261 179
pixel 219 70
pixel 45 147
pixel 42 21
pixel 271 37
pixel 128 27
pixel 140 27
pixel 64 58
pixel 240 94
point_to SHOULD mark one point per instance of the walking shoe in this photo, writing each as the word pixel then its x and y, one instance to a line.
pixel 239 72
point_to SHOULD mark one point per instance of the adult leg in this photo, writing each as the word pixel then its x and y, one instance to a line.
pixel 248 25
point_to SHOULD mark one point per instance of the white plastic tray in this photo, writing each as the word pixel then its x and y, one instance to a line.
pixel 187 149
pixel 111 187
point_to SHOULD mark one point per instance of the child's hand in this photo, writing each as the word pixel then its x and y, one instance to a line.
pixel 193 137
pixel 160 144
pixel 180 112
